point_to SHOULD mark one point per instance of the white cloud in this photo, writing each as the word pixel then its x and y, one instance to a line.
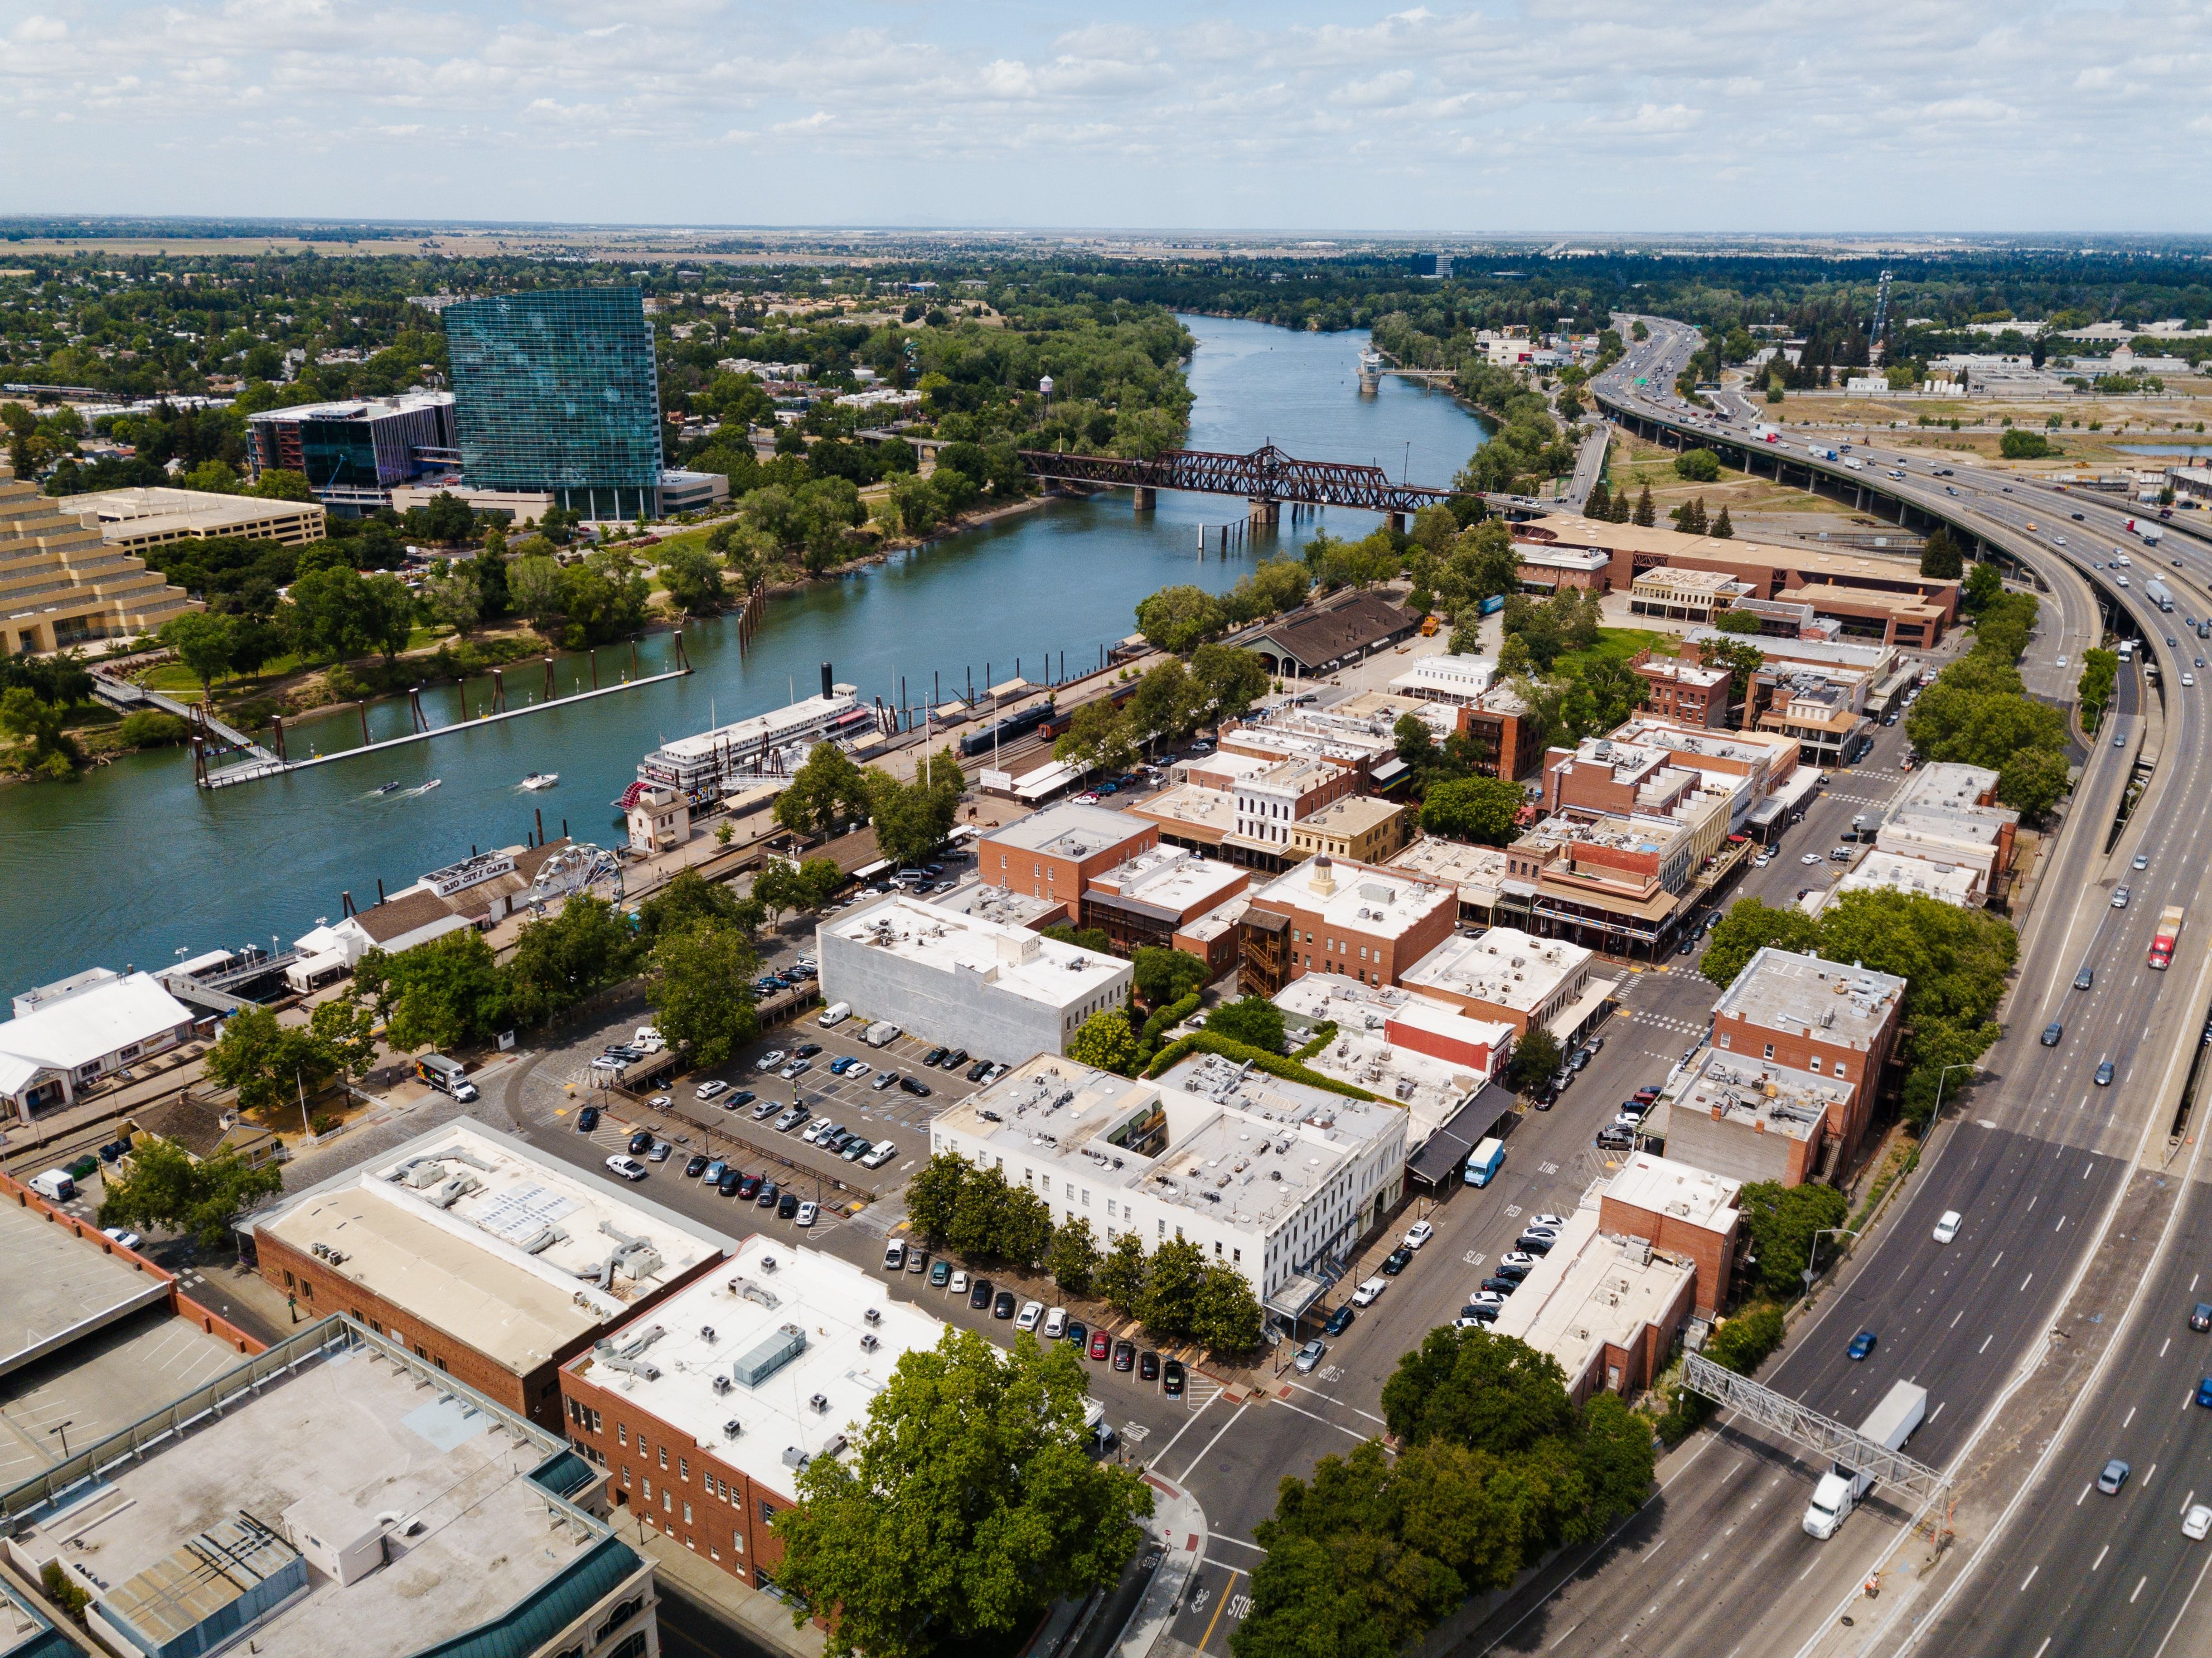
pixel 1472 115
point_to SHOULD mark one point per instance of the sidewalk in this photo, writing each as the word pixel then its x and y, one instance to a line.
pixel 1178 1524
pixel 760 1616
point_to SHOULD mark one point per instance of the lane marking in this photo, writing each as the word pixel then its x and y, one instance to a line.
pixel 2099 1560
pixel 2029 1578
pixel 1212 1442
pixel 2140 1582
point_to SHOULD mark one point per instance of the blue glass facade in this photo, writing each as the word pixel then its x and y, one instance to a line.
pixel 555 390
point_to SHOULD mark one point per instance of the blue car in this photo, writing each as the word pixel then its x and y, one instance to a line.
pixel 1341 1319
pixel 839 1066
pixel 1861 1345
pixel 2204 1392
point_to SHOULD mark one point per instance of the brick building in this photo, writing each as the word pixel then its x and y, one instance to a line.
pixel 481 1257
pixel 1054 852
pixel 704 1412
pixel 1679 1211
pixel 1806 1014
pixel 1366 922
pixel 1684 692
pixel 1155 897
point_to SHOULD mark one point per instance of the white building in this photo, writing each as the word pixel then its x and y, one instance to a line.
pixel 80 1029
pixel 1270 801
pixel 1428 1055
pixel 705 767
pixel 1886 871
pixel 1516 978
pixel 964 979
pixel 1267 1177
pixel 1458 680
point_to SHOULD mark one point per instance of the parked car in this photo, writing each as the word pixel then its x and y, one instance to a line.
pixel 731 1184
pixel 696 1165
pixel 959 1286
pixel 933 1056
pixel 806 1213
pixel 1078 1335
pixel 940 1272
pixel 770 1060
pixel 1397 1262
pixel 1148 1366
pixel 627 1167
pixel 1369 1292
pixel 587 1120
pixel 1501 1286
pixel 1339 1320
pixel 1055 1324
pixel 889 1079
pixel 749 1185
pixel 1125 1355
pixel 1173 1378
pixel 881 1153
pixel 1310 1356
pixel 769 1192
pixel 1418 1233
pixel 786 1206
pixel 858 1150
pixel 792 1117
pixel 661 1151
pixel 919 1090
pixel 1030 1316
pixel 712 1088
pixel 1102 1344
pixel 640 1142
pixel 1002 1305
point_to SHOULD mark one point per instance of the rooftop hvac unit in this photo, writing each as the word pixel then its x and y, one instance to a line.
pixel 732 1428
pixel 793 1457
pixel 868 1342
pixel 722 1384
pixel 706 1334
pixel 819 1403
pixel 874 1316
pixel 780 1346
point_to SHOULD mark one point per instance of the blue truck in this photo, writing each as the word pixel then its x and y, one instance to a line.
pixel 1485 1161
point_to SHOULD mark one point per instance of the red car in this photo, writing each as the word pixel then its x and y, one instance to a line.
pixel 1101 1344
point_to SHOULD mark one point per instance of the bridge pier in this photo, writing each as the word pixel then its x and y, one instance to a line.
pixel 1267 511
pixel 1398 523
pixel 1147 499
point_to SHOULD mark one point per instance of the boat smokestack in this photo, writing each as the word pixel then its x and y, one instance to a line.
pixel 826 687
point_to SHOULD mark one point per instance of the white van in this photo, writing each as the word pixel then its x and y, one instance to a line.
pixel 881 1034
pixel 55 1185
pixel 835 1014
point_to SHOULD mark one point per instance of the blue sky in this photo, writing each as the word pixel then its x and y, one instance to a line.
pixel 1785 115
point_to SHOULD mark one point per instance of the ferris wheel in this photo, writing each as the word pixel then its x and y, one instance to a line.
pixel 572 869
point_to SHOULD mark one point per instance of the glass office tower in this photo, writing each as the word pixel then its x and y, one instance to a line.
pixel 555 390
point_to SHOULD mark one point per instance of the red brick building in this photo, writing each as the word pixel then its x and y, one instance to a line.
pixel 1055 853
pixel 1679 1211
pixel 1366 921
pixel 1684 691
pixel 1826 1017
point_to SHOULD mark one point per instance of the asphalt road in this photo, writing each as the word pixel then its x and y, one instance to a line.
pixel 2034 1160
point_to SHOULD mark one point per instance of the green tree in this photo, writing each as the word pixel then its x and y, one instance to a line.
pixel 2033 781
pixel 150 728
pixel 1940 558
pixel 690 898
pixel 53 752
pixel 1253 1020
pixel 1105 1043
pixel 699 985
pixel 346 1028
pixel 454 599
pixel 534 582
pixel 912 819
pixel 1737 621
pixel 1698 466
pixel 1646 514
pixel 1749 927
pixel 1227 680
pixel 268 1061
pixel 1178 619
pixel 1226 1315
pixel 1479 809
pixel 386 616
pixel 1984 584
pixel 1487 1392
pixel 559 959
pixel 283 484
pixel 164 1189
pixel 445 994
pixel 1072 1257
pixel 1780 1222
pixel 1174 1279
pixel 968 1504
pixel 1163 706
pixel 1724 526
pixel 1536 1058
pixel 826 792
pixel 490 570
pixel 201 641
pixel 932 1196
pixel 1162 976
pixel 1097 737
pixel 1119 1278
pixel 694 579
pixel 2018 444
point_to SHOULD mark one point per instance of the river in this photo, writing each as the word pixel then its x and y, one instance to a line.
pixel 134 865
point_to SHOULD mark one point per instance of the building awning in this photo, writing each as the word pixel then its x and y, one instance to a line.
pixel 1393 766
pixel 1117 904
pixel 1445 1153
pixel 1295 1295
pixel 875 868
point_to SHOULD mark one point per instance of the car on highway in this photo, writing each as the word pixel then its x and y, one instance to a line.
pixel 1418 1233
pixel 1102 1344
pixel 1948 1224
pixel 2200 1316
pixel 1339 1320
pixel 2196 1522
pixel 2142 861
pixel 2105 1074
pixel 2053 1034
pixel 2119 897
pixel 1310 1356
pixel 2204 1393
pixel 2113 1475
pixel 1369 1292
pixel 2086 977
pixel 1861 1345
pixel 714 1089
pixel 1397 1262
pixel 2188 679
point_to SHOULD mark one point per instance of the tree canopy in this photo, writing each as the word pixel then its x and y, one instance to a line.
pixel 164 1189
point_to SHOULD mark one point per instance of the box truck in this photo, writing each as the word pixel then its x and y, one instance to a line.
pixel 1900 1411
pixel 1485 1161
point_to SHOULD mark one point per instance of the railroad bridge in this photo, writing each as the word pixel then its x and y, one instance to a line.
pixel 1266 478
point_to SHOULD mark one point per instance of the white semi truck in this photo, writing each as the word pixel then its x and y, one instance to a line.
pixel 1901 1410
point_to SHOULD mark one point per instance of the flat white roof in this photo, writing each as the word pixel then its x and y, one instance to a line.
pixel 1952 883
pixel 1502 965
pixel 808 712
pixel 1072 829
pixel 1666 1186
pixel 479 1236
pixel 150 506
pixel 1367 898
pixel 1172 878
pixel 1590 1290
pixel 1780 988
pixel 699 1383
pixel 951 940
pixel 93 1022
pixel 1475 871
pixel 1431 1086
pixel 1748 1090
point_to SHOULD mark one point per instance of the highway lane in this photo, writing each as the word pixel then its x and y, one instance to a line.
pixel 2034 1167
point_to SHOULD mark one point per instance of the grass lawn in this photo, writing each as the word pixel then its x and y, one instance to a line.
pixel 1616 645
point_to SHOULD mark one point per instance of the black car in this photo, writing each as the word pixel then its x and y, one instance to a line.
pixel 955 1058
pixel 1148 1366
pixel 640 1142
pixel 913 1085
pixel 786 1205
pixel 1341 1319
pixel 1398 1261
pixel 1002 1304
pixel 695 1165
pixel 1511 1270
pixel 2200 1316
pixel 806 1050
pixel 732 1183
pixel 1125 1355
pixel 1172 1377
pixel 933 1056
pixel 979 1293
pixel 769 1192
pixel 1503 1286
pixel 1535 1243
pixel 739 1099
pixel 587 1120
pixel 977 1070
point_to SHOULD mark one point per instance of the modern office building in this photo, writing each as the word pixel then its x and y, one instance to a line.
pixel 353 454
pixel 555 390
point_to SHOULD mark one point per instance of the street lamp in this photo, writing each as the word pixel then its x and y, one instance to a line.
pixel 1812 1251
pixel 63 1429
pixel 1963 1065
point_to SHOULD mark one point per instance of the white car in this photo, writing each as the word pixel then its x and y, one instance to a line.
pixel 895 1255
pixel 647 1039
pixel 1370 1292
pixel 607 1062
pixel 858 1068
pixel 806 1214
pixel 2062 663
pixel 1418 1233
pixel 2189 679
pixel 712 1090
pixel 770 1060
pixel 1810 858
pixel 660 1102
pixel 959 1285
pixel 883 1153
pixel 1947 1225
pixel 1553 1220
pixel 1055 1324
pixel 2196 1522
pixel 627 1167
pixel 1027 1318
pixel 128 1240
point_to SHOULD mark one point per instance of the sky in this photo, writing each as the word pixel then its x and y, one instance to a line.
pixel 1972 116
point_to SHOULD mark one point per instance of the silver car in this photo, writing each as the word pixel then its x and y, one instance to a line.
pixel 1310 1355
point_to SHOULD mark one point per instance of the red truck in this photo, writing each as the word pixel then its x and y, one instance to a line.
pixel 2162 941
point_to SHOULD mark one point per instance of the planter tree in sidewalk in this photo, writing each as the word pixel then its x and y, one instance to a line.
pixel 968 1504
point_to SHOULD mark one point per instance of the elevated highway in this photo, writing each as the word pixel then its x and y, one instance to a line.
pixel 2067 1187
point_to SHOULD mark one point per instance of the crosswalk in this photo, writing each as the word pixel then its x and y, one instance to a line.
pixel 1663 1022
